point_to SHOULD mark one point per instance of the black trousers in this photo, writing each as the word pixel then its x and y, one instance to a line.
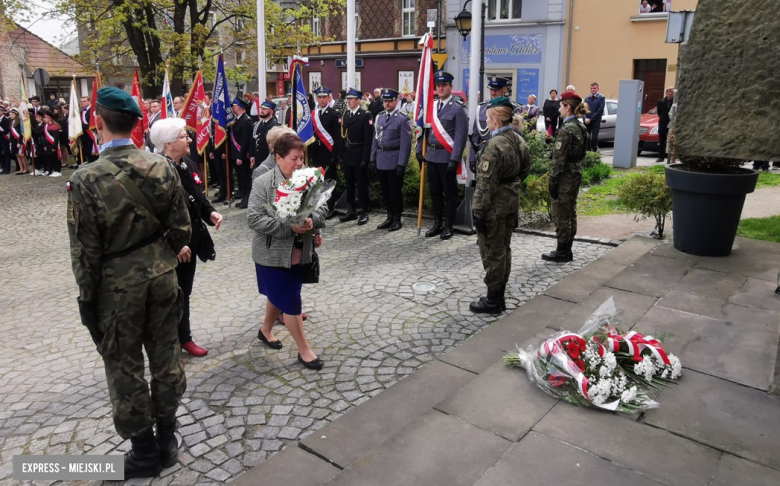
pixel 50 163
pixel 392 191
pixel 593 129
pixel 662 144
pixel 222 175
pixel 5 156
pixel 244 174
pixel 331 174
pixel 357 176
pixel 441 182
pixel 185 274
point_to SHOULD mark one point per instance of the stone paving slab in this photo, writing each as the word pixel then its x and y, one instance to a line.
pixel 540 460
pixel 650 275
pixel 579 286
pixel 749 259
pixel 489 346
pixel 434 449
pixel 734 418
pixel 366 427
pixel 291 466
pixel 710 283
pixel 740 316
pixel 759 294
pixel 632 305
pixel 628 252
pixel 737 471
pixel 501 400
pixel 652 452
pixel 715 347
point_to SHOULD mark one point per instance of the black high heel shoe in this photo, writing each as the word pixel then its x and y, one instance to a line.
pixel 315 364
pixel 271 344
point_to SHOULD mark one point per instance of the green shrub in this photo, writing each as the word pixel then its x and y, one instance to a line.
pixel 535 196
pixel 646 195
pixel 591 160
pixel 596 173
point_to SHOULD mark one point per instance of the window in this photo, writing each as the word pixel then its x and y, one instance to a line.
pixel 612 108
pixel 240 24
pixel 315 25
pixel 654 6
pixel 212 19
pixel 504 9
pixel 117 60
pixel 240 57
pixel 408 23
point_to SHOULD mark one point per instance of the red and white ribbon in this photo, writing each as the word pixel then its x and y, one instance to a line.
pixel 441 134
pixel 636 343
pixel 321 132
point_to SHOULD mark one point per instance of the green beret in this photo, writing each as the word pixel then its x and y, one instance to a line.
pixel 500 101
pixel 118 100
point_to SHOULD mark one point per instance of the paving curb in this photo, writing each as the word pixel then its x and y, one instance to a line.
pixel 583 239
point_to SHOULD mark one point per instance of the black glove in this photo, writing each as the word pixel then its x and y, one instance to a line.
pixel 473 166
pixel 420 160
pixel 363 164
pixel 399 171
pixel 479 223
pixel 553 191
pixel 89 317
pixel 452 167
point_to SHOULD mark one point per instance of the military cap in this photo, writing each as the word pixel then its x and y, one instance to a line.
pixel 389 94
pixel 322 91
pixel 441 77
pixel 268 104
pixel 500 101
pixel 352 92
pixel 570 95
pixel 240 102
pixel 496 82
pixel 116 99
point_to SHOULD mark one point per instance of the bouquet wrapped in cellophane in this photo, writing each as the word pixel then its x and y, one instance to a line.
pixel 600 365
pixel 303 193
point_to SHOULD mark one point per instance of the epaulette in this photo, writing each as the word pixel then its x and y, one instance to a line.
pixel 484 103
pixel 458 101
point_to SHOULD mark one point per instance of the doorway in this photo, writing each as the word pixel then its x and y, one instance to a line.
pixel 508 74
pixel 653 73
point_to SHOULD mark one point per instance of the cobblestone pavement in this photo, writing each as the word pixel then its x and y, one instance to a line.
pixel 243 402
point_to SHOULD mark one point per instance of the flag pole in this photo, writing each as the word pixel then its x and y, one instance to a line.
pixel 422 186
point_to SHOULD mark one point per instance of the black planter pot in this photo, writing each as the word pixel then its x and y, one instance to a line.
pixel 707 208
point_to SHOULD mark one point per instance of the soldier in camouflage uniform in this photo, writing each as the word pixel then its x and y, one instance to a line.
pixel 127 221
pixel 571 143
pixel 502 165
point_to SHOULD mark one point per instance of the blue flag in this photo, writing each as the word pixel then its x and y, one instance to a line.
pixel 220 105
pixel 305 128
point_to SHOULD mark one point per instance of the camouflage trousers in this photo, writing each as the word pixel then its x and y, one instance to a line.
pixel 564 209
pixel 142 317
pixel 496 251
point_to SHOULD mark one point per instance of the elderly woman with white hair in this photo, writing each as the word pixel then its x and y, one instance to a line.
pixel 531 112
pixel 171 140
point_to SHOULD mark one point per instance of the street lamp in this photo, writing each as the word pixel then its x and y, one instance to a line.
pixel 463 24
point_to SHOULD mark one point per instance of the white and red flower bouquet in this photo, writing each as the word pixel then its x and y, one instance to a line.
pixel 302 194
pixel 600 365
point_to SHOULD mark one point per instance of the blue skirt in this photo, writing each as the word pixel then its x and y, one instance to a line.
pixel 282 286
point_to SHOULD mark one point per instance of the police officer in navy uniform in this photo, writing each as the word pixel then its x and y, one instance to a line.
pixel 240 140
pixel 480 134
pixel 390 152
pixel 357 133
pixel 265 122
pixel 443 164
pixel 325 149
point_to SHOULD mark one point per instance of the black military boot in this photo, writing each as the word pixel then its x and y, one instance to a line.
pixel 363 219
pixel 386 223
pixel 396 223
pixel 503 298
pixel 437 228
pixel 559 255
pixel 569 254
pixel 488 305
pixel 143 461
pixel 350 216
pixel 446 233
pixel 166 440
pixel 219 198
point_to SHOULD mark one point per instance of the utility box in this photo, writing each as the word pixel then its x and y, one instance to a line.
pixel 632 94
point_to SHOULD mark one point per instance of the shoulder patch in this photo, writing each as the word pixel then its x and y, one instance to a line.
pixel 558 145
pixel 67 186
pixel 485 165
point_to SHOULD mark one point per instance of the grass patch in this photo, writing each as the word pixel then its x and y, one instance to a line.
pixel 767 229
pixel 768 179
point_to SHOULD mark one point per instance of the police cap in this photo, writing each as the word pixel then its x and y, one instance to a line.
pixel 353 93
pixel 443 77
pixel 322 91
pixel 389 94
pixel 238 101
pixel 268 104
pixel 497 82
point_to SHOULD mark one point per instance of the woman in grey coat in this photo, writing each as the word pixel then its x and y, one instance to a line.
pixel 280 250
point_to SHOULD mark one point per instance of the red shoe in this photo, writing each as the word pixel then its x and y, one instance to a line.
pixel 194 349
pixel 280 319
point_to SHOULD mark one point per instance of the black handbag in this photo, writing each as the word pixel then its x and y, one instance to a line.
pixel 206 249
pixel 311 273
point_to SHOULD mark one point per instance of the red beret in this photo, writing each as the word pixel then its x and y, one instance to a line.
pixel 570 95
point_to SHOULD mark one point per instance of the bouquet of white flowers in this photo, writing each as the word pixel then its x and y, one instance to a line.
pixel 599 365
pixel 302 194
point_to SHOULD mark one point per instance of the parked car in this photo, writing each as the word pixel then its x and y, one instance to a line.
pixel 608 121
pixel 648 133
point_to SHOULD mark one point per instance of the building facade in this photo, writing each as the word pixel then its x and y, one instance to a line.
pixel 623 39
pixel 523 43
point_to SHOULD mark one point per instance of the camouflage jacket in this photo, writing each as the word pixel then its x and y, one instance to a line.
pixel 502 166
pixel 114 240
pixel 570 147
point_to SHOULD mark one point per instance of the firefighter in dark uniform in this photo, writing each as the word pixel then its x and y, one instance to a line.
pixel 266 121
pixel 357 133
pixel 480 133
pixel 325 149
pixel 390 152
pixel 240 139
pixel 86 142
pixel 444 155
